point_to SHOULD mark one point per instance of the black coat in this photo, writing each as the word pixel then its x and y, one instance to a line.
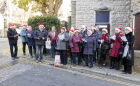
pixel 130 38
pixel 40 34
pixel 11 36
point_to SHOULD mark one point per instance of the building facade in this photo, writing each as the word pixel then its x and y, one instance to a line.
pixel 109 14
pixel 103 13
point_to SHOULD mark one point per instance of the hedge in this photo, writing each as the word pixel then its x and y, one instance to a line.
pixel 48 20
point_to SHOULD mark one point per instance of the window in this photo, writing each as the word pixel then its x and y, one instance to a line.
pixel 102 17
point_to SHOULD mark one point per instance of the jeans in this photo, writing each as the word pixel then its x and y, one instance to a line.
pixel 39 52
pixel 13 50
pixel 52 50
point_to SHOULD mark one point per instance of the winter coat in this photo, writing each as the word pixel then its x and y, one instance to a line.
pixel 53 39
pixel 84 34
pixel 75 42
pixel 98 37
pixel 40 34
pixel 11 36
pixel 89 45
pixel 117 44
pixel 62 41
pixel 128 49
pixel 23 35
pixel 104 44
pixel 30 38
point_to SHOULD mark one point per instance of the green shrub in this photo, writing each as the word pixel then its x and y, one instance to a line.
pixel 48 20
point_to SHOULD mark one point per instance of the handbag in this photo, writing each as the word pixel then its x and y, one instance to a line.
pixel 121 51
pixel 48 43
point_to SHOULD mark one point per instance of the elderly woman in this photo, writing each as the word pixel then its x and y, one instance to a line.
pixel 89 46
pixel 128 50
pixel 97 35
pixel 30 40
pixel 75 41
pixel 53 35
pixel 62 40
pixel 115 50
pixel 104 47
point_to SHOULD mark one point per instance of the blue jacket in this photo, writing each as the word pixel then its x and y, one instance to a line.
pixel 30 38
pixel 98 37
pixel 89 45
pixel 23 35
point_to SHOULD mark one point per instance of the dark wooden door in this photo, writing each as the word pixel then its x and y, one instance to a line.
pixel 137 32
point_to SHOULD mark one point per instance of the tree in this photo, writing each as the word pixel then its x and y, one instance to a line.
pixel 3 6
pixel 43 6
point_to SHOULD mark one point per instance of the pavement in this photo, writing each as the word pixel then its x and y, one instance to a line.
pixel 26 72
pixel 104 70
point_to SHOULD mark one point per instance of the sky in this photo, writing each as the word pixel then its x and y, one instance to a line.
pixel 65 10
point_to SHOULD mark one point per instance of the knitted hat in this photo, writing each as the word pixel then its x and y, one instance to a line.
pixel 118 28
pixel 105 30
pixel 63 28
pixel 129 28
pixel 40 24
pixel 77 30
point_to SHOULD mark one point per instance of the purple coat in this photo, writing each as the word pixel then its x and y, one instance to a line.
pixel 89 45
pixel 74 43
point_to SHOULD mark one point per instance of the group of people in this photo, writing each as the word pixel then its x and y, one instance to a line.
pixel 84 46
pixel 34 39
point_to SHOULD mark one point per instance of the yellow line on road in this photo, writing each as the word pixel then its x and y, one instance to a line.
pixel 93 76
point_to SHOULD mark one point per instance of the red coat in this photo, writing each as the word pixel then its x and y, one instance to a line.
pixel 74 43
pixel 53 39
pixel 114 52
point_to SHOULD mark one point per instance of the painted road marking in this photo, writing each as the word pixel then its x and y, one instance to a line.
pixel 92 76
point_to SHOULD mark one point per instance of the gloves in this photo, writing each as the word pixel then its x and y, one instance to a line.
pixel 63 40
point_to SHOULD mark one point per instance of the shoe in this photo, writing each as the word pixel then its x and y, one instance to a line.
pixel 124 72
pixel 16 57
pixel 111 67
pixel 13 58
pixel 104 64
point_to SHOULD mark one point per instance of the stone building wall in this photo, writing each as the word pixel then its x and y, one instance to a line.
pixel 119 12
pixel 73 14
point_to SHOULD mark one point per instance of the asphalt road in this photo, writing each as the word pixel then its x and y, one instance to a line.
pixel 37 75
pixel 25 72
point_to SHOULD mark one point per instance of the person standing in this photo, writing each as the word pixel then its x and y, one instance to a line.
pixel 96 35
pixel 62 40
pixel 53 35
pixel 71 32
pixel 23 35
pixel 40 37
pixel 83 34
pixel 89 46
pixel 104 47
pixel 13 39
pixel 31 41
pixel 115 50
pixel 75 42
pixel 128 50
